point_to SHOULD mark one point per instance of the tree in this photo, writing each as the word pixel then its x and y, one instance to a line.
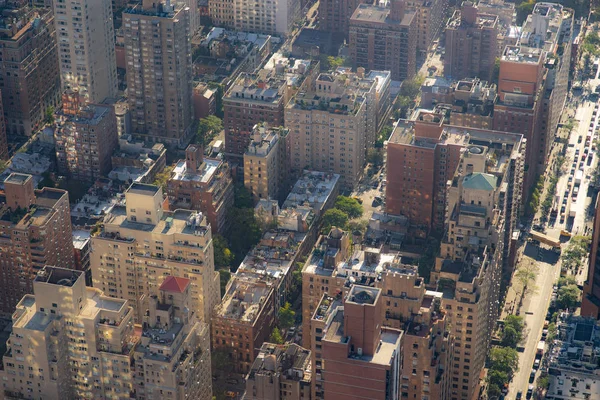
pixel 565 281
pixel 276 336
pixel 504 359
pixel 49 115
pixel 223 256
pixel 577 249
pixel 498 378
pixel 359 226
pixel 568 297
pixel 46 181
pixel 527 274
pixel 242 197
pixel 208 128
pixel 523 10
pixel 287 316
pixel 334 217
pixel 162 178
pixel 375 156
pixel 543 382
pixel 516 322
pixel 329 63
pixel 244 232
pixel 221 361
pixel 351 207
pixel 496 71
pixel 510 337
pixel 224 277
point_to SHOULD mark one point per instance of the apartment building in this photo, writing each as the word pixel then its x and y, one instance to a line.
pixel 334 16
pixel 167 359
pixel 159 71
pixel 3 140
pixel 423 155
pixel 532 83
pixel 71 340
pixel 86 48
pixel 133 161
pixel 266 163
pixel 315 190
pixel 468 102
pixel 244 319
pixel 431 19
pixel 86 137
pixel 172 357
pixel 471 43
pixel 280 372
pixel 328 128
pixel 261 97
pixel 141 243
pixel 272 18
pixel 427 342
pixel 29 68
pixel 36 231
pixel 361 358
pixel 383 38
pixel 202 184
pixel 590 303
pixel 482 211
pixel 505 11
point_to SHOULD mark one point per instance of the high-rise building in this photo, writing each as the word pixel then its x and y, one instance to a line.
pixel 266 163
pixel 422 156
pixel 431 17
pixel 268 17
pixel 261 97
pixel 202 184
pixel 590 304
pixel 361 358
pixel 532 85
pixel 77 343
pixel 36 229
pixel 140 244
pixel 172 356
pixel 483 203
pixel 86 48
pixel 329 127
pixel 334 15
pixel 86 137
pixel 159 71
pixel 471 43
pixel 3 140
pixel 281 372
pixel 72 341
pixel 29 69
pixel 384 38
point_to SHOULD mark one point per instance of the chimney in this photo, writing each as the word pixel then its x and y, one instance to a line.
pixel 360 72
pixel 397 10
pixel 19 191
pixel 193 157
pixel 468 13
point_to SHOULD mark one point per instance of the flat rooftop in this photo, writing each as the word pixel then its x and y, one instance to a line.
pixel 522 54
pixel 377 14
pixel 57 276
pixel 245 298
pixel 141 188
pixel 205 173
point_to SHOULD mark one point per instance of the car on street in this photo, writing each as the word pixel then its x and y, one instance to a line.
pixel 519 395
pixel 529 392
pixel 532 375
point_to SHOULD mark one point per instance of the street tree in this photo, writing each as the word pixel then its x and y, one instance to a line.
pixel 350 206
pixel 568 297
pixel 504 359
pixel 334 217
pixel 276 336
pixel 223 256
pixel 287 316
pixel 208 128
pixel 525 275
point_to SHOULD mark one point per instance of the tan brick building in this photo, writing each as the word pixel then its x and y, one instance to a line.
pixel 140 244
pixel 36 231
pixel 431 19
pixel 86 137
pixel 266 163
pixel 202 184
pixel 280 372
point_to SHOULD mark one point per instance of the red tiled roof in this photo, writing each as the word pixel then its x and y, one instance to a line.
pixel 175 284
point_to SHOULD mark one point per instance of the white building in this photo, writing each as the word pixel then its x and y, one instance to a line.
pixel 86 47
pixel 270 17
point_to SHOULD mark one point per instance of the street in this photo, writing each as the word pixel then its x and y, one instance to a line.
pixel 573 203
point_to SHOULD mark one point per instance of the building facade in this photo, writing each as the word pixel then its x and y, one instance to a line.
pixel 590 304
pixel 29 68
pixel 272 18
pixel 431 17
pixel 334 16
pixel 36 231
pixel 471 43
pixel 86 137
pixel 384 39
pixel 3 139
pixel 202 184
pixel 159 71
pixel 86 48
pixel 140 244
pixel 266 163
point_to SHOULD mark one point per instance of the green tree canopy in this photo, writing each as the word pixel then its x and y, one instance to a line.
pixel 504 359
pixel 224 277
pixel 163 177
pixel 242 197
pixel 566 280
pixel 208 128
pixel 287 316
pixel 350 206
pixel 510 337
pixel 568 297
pixel 223 256
pixel 244 232
pixel 276 336
pixel 334 217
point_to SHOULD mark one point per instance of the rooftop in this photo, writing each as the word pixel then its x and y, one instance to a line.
pixel 57 276
pixel 313 188
pixel 245 298
pixel 174 284
pixel 205 173
pixel 290 361
pixel 521 54
pixel 377 14
pixel 141 188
